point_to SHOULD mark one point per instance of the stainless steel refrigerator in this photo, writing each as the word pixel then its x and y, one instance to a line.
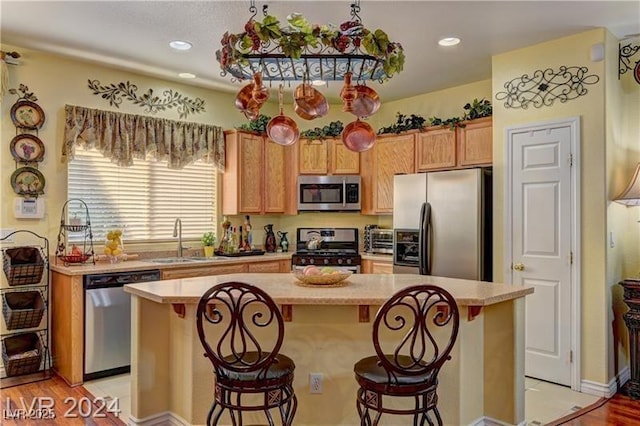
pixel 442 224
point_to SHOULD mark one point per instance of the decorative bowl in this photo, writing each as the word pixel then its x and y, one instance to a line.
pixel 324 279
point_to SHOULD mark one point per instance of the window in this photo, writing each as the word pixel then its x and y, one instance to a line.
pixel 144 199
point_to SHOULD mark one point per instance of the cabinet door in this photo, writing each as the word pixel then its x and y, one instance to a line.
pixel 343 161
pixel 314 157
pixel 275 182
pixel 381 267
pixel 202 271
pixel 436 149
pixel 250 172
pixel 265 267
pixel 475 143
pixel 392 155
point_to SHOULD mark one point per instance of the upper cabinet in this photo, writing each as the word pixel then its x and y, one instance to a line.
pixel 439 148
pixel 475 143
pixel 327 157
pixel 256 179
pixel 390 155
pixel 435 149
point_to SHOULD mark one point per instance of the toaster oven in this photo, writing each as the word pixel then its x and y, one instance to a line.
pixel 381 241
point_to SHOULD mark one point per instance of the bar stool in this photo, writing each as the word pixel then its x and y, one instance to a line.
pixel 250 376
pixel 413 334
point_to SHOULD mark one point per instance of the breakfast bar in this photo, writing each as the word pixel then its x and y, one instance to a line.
pixel 327 329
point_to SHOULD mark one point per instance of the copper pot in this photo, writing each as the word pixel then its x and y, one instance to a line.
pixel 358 136
pixel 348 93
pixel 244 96
pixel 309 103
pixel 259 93
pixel 366 103
pixel 282 129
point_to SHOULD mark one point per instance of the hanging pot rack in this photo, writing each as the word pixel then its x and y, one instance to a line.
pixel 336 53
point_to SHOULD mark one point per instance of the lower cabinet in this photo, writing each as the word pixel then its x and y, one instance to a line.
pixel 201 271
pixel 377 266
pixel 271 266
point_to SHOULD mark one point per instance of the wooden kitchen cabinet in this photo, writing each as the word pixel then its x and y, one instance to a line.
pixel 327 157
pixel 370 266
pixel 202 271
pixel 256 179
pixel 390 155
pixel 435 149
pixel 265 267
pixel 475 143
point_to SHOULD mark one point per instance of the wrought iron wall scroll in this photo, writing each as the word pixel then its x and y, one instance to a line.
pixel 115 93
pixel 545 87
pixel 625 53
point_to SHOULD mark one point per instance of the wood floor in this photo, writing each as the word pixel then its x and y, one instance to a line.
pixel 617 411
pixel 71 406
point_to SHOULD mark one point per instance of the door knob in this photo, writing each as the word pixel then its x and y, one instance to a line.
pixel 519 266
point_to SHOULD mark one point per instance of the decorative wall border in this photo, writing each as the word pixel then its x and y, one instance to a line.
pixel 115 93
pixel 545 87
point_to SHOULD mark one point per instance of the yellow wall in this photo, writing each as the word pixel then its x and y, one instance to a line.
pixel 57 81
pixel 623 229
pixel 597 169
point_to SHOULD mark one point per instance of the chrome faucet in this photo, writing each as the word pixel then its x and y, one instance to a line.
pixel 177 232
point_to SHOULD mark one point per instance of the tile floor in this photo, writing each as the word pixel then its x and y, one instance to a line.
pixel 544 402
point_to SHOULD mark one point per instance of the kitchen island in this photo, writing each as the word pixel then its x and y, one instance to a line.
pixel 327 330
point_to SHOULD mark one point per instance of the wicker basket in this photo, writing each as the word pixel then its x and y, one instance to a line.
pixel 23 265
pixel 21 354
pixel 22 309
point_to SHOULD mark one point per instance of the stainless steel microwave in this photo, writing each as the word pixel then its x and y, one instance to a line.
pixel 329 193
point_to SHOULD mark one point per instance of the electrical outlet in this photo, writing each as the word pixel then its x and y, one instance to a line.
pixel 315 382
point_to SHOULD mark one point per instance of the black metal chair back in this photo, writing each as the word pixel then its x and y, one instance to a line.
pixel 413 334
pixel 246 331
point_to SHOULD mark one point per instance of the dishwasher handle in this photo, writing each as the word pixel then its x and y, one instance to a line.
pixel 118 279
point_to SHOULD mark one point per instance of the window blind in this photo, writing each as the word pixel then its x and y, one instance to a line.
pixel 144 199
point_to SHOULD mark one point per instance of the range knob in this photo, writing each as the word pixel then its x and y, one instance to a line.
pixel 303 260
pixel 326 261
pixel 340 261
pixel 348 261
pixel 312 261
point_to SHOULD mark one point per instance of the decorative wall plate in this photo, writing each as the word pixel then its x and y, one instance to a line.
pixel 636 72
pixel 27 148
pixel 27 115
pixel 27 181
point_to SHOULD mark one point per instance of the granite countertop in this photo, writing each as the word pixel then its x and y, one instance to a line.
pixel 360 289
pixel 147 264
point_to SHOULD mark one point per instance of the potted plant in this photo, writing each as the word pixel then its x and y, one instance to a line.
pixel 208 241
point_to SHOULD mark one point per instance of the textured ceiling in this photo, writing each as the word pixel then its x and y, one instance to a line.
pixel 134 35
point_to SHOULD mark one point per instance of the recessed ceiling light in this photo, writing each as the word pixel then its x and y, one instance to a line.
pixel 449 41
pixel 186 75
pixel 180 45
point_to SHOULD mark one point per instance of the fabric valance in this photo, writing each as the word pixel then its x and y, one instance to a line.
pixel 124 137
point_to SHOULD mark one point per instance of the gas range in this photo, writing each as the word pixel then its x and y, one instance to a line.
pixel 337 247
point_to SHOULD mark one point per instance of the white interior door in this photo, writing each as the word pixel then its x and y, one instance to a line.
pixel 541 245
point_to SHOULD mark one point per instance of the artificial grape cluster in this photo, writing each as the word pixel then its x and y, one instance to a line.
pixel 250 30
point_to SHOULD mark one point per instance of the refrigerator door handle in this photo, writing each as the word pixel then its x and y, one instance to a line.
pixel 424 259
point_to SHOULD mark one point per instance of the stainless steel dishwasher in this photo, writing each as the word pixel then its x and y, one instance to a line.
pixel 107 322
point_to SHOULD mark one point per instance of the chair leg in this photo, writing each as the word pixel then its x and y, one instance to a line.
pixel 288 410
pixel 438 418
pixel 212 419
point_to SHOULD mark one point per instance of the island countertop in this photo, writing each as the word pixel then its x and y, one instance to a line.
pixel 359 289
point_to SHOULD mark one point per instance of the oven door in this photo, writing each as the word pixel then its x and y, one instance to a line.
pixel 329 193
